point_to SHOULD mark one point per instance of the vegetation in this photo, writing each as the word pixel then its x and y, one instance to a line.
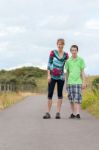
pixel 19 83
pixel 91 96
pixel 9 98
pixel 22 79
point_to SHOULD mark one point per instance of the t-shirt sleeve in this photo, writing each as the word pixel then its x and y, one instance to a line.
pixel 82 64
pixel 50 61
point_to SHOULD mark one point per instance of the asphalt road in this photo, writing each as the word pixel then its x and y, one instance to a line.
pixel 22 128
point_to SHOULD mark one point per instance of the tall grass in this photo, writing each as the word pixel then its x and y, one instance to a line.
pixel 91 98
pixel 9 98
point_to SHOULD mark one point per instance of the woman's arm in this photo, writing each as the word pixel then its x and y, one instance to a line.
pixel 49 66
pixel 49 76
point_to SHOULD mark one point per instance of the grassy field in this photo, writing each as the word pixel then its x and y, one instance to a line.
pixel 91 98
pixel 33 77
pixel 9 98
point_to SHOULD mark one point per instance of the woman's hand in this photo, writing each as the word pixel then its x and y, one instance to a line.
pixel 49 78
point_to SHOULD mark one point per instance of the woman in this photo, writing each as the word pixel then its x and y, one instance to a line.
pixel 56 63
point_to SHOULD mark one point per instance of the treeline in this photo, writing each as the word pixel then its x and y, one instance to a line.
pixel 21 79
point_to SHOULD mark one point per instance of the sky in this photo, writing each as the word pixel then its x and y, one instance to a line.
pixel 29 30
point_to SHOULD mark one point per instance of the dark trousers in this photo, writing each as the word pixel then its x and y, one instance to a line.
pixel 51 86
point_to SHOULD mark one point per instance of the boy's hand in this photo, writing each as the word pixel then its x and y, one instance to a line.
pixel 83 86
pixel 49 78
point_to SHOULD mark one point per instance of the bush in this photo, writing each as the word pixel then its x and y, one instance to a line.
pixel 91 101
pixel 88 98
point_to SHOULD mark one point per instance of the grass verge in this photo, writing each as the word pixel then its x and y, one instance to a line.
pixel 9 98
pixel 91 102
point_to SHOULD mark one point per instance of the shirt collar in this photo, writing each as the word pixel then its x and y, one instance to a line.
pixel 73 58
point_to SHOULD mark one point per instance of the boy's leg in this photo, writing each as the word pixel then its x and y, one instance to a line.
pixel 70 90
pixel 77 108
pixel 78 99
pixel 60 85
pixel 72 105
pixel 72 116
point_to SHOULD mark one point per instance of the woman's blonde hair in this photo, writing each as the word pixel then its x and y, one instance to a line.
pixel 61 40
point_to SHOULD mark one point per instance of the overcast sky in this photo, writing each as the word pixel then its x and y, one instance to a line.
pixel 29 30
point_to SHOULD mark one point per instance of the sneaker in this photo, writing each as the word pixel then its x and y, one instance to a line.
pixel 72 116
pixel 47 116
pixel 58 116
pixel 78 116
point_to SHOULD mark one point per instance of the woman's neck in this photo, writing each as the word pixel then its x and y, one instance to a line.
pixel 60 50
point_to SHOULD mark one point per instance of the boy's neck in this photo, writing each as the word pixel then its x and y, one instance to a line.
pixel 74 57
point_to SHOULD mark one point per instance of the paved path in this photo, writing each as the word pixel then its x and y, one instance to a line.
pixel 22 128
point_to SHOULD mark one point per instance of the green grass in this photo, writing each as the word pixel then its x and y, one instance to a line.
pixel 91 98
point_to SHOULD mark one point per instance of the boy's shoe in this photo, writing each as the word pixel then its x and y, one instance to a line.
pixel 78 116
pixel 47 116
pixel 58 116
pixel 72 116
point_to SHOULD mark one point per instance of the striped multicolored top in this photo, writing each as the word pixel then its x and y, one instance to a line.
pixel 56 64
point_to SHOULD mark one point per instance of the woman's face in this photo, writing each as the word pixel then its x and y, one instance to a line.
pixel 60 46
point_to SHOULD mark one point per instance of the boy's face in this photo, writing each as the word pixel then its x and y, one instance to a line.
pixel 74 52
pixel 60 45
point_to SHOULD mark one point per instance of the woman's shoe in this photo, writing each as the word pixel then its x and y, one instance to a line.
pixel 47 116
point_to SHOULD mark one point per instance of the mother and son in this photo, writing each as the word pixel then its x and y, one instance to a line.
pixel 75 79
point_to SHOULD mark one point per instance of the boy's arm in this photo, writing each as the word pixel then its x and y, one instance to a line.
pixel 67 74
pixel 83 79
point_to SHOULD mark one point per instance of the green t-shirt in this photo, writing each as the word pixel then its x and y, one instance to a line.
pixel 74 68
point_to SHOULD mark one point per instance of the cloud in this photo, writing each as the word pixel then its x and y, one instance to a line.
pixel 54 22
pixel 11 30
pixel 92 24
pixel 29 30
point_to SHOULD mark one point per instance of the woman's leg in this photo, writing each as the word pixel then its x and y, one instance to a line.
pixel 51 87
pixel 60 85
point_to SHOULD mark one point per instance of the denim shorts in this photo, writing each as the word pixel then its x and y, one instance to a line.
pixel 75 93
pixel 51 86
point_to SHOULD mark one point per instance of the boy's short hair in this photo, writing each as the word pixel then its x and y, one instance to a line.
pixel 74 46
pixel 61 40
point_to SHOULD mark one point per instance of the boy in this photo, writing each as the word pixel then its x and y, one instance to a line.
pixel 55 68
pixel 75 81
